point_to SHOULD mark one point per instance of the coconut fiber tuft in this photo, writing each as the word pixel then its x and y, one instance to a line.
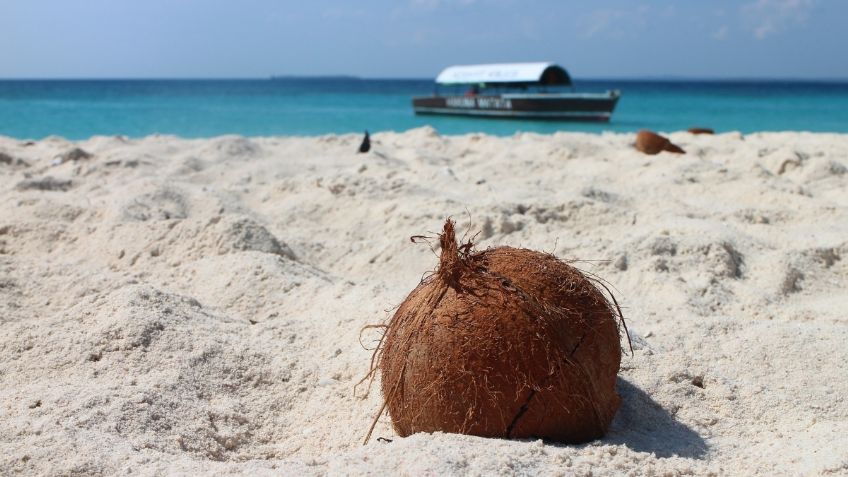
pixel 507 343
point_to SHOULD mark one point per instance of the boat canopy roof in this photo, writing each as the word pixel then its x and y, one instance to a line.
pixel 512 73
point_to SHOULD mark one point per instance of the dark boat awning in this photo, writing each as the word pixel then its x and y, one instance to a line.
pixel 512 73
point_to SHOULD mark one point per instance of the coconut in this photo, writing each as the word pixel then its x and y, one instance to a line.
pixel 697 131
pixel 652 143
pixel 507 342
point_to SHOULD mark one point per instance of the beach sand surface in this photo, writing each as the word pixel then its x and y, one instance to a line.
pixel 172 306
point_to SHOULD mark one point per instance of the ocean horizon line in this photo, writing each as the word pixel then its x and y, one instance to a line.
pixel 340 77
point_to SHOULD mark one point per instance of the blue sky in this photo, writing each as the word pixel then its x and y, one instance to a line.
pixel 417 38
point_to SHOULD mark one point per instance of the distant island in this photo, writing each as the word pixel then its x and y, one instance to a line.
pixel 321 78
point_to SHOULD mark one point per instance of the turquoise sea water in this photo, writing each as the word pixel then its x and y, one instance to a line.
pixel 78 109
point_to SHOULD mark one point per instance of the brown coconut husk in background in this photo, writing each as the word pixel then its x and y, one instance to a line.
pixel 505 343
pixel 700 131
pixel 652 143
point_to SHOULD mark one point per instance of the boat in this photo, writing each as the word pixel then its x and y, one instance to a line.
pixel 540 90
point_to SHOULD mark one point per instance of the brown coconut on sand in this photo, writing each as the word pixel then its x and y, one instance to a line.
pixel 506 342
pixel 697 131
pixel 652 143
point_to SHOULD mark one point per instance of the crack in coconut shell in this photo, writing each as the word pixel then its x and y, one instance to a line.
pixel 501 343
pixel 520 413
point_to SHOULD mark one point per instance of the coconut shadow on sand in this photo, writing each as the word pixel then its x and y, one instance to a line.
pixel 644 426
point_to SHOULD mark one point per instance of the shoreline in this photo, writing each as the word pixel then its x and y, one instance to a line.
pixel 97 137
pixel 195 305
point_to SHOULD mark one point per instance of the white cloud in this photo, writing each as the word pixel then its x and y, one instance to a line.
pixel 767 17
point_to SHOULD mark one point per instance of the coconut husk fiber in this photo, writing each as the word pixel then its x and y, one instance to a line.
pixel 507 343
pixel 652 143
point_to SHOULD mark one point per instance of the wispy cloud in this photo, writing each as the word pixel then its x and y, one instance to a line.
pixel 767 17
pixel 600 21
pixel 721 33
pixel 613 22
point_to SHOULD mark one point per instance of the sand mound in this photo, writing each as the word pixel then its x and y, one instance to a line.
pixel 165 203
pixel 154 369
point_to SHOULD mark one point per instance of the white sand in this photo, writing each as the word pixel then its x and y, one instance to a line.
pixel 193 306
